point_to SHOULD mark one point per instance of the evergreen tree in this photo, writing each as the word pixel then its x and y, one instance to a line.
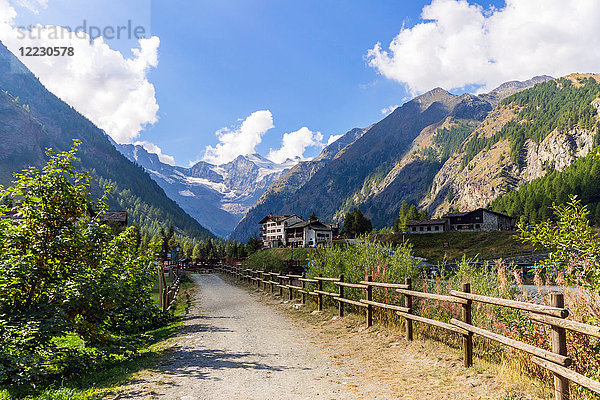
pixel 197 252
pixel 408 214
pixel 355 223
pixel 253 244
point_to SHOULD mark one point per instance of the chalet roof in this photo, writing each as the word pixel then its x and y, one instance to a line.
pixel 456 214
pixel 314 225
pixel 276 218
pixel 427 222
pixel 114 216
pixel 462 214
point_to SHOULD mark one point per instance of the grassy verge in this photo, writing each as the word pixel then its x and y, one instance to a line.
pixel 151 348
pixel 471 244
pixel 430 246
pixel 275 259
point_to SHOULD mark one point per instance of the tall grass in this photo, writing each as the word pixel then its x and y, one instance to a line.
pixel 393 264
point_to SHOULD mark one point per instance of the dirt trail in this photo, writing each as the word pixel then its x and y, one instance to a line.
pixel 239 343
pixel 235 347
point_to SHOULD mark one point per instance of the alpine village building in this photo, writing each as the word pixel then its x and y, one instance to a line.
pixel 293 231
pixel 480 219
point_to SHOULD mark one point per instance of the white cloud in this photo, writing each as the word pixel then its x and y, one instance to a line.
pixel 7 14
pixel 111 90
pixel 241 140
pixel 152 148
pixel 389 109
pixel 294 144
pixel 333 138
pixel 32 5
pixel 460 44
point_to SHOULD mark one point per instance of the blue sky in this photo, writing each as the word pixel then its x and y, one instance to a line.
pixel 303 61
pixel 306 62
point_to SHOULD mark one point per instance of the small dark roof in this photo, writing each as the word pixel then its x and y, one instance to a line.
pixel 114 216
pixel 456 214
pixel 462 214
pixel 276 218
pixel 11 215
pixel 315 225
pixel 427 222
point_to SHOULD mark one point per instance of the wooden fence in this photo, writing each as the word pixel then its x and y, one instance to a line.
pixel 168 293
pixel 556 360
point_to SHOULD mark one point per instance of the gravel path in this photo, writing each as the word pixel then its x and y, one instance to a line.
pixel 234 347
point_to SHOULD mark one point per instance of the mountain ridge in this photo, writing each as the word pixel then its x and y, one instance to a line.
pixel 396 160
pixel 215 195
pixel 33 119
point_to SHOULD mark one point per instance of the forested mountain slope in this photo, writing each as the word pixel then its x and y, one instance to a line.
pixel 33 119
pixel 540 129
pixel 533 201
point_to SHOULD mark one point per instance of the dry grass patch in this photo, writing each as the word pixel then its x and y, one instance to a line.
pixel 385 364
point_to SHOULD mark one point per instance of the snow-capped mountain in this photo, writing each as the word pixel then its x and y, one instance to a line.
pixel 217 196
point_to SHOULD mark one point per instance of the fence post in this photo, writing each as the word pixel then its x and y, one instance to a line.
pixel 370 298
pixel 559 345
pixel 165 291
pixel 408 304
pixel 160 287
pixel 319 295
pixel 280 286
pixel 340 303
pixel 468 338
pixel 271 284
pixel 303 288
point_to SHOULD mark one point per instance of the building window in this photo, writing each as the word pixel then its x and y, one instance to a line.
pixel 437 228
pixel 428 229
pixel 421 228
pixel 414 228
pixel 477 226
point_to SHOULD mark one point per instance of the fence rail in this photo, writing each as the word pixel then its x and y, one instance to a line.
pixel 554 315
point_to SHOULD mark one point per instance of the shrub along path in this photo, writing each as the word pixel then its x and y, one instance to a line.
pixel 243 344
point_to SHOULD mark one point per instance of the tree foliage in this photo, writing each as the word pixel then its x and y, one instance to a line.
pixel 408 214
pixel 253 245
pixel 355 223
pixel 575 248
pixel 63 272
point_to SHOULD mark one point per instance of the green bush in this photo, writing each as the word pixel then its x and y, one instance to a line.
pixel 62 272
